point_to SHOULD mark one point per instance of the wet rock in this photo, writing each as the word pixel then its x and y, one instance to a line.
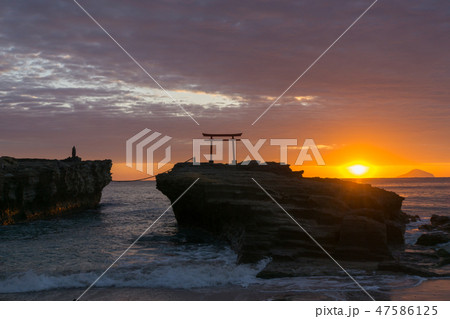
pixel 306 267
pixel 432 239
pixel 397 267
pixel 437 220
pixel 444 251
pixel 440 223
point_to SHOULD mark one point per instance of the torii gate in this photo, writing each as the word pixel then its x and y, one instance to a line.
pixel 231 138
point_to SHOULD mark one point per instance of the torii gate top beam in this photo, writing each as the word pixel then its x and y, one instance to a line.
pixel 221 135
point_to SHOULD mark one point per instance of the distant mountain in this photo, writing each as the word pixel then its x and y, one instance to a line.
pixel 416 173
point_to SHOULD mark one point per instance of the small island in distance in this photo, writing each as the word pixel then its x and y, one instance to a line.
pixel 416 173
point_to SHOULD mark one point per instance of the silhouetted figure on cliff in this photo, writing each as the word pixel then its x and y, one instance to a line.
pixel 74 157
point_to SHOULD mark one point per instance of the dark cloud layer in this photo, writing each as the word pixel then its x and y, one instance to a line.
pixel 63 81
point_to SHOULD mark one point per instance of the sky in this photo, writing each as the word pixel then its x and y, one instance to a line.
pixel 379 96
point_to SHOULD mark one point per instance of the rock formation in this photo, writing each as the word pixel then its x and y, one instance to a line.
pixel 36 188
pixel 437 233
pixel 437 223
pixel 351 221
pixel 429 256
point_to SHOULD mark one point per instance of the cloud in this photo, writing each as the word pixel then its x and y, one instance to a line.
pixel 319 146
pixel 225 61
pixel 305 98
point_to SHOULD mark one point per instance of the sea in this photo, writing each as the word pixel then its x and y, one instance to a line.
pixel 59 259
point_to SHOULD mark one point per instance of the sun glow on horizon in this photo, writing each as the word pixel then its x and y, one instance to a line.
pixel 358 169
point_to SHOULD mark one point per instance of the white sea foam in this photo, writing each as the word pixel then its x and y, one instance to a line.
pixel 30 281
pixel 199 276
pixel 173 275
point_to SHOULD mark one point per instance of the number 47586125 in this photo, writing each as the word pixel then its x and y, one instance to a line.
pixel 410 310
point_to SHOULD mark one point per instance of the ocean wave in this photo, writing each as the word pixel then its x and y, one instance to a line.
pixel 30 281
pixel 342 282
pixel 198 276
pixel 194 275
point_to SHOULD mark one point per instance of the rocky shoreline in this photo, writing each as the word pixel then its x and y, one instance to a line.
pixel 361 226
pixel 429 256
pixel 38 188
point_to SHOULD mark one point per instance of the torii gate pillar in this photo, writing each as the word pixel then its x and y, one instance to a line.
pixel 231 138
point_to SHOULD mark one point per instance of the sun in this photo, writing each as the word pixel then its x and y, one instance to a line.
pixel 358 169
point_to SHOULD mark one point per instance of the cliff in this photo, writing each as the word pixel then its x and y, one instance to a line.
pixel 351 221
pixel 37 188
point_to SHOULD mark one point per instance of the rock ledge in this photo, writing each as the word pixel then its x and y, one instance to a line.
pixel 37 188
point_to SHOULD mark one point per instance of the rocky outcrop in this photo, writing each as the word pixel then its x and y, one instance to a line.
pixel 36 188
pixel 433 239
pixel 429 256
pixel 351 221
pixel 437 223
pixel 437 231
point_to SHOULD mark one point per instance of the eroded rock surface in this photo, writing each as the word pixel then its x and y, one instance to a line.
pixel 351 221
pixel 34 188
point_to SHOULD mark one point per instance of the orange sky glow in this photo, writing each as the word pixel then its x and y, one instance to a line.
pixel 380 164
